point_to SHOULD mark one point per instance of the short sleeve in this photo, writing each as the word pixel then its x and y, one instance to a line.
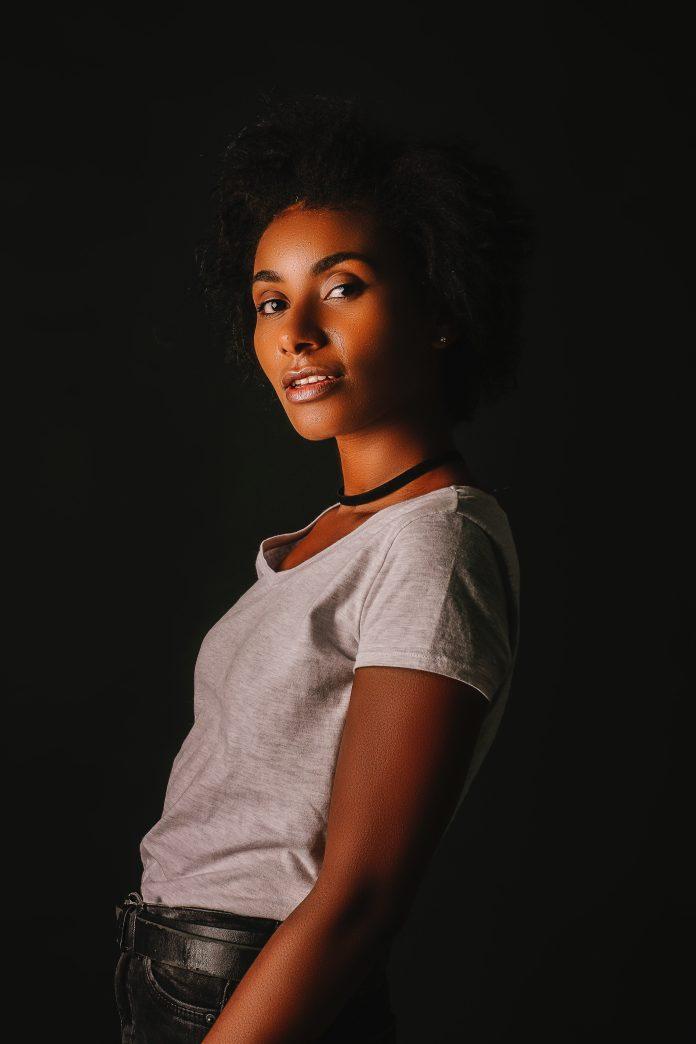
pixel 439 603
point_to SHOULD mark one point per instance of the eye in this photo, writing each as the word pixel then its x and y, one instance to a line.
pixel 269 300
pixel 351 288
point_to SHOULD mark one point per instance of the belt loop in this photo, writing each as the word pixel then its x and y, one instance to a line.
pixel 131 909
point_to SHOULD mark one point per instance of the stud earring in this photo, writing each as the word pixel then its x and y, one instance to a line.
pixel 443 339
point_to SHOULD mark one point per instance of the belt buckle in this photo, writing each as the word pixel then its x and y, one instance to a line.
pixel 129 911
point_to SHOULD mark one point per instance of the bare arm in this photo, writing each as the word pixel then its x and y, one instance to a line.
pixel 405 750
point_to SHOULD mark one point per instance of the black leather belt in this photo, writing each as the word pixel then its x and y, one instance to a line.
pixel 224 952
pixel 211 950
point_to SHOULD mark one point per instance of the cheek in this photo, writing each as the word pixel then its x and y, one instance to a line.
pixel 377 336
pixel 262 349
pixel 386 356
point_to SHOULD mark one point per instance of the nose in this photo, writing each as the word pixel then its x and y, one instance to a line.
pixel 300 332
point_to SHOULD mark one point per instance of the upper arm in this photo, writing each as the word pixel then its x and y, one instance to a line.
pixel 434 649
pixel 405 750
pixel 440 603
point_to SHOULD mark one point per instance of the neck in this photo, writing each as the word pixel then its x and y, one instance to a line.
pixel 372 456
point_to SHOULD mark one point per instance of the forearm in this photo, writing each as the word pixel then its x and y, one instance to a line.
pixel 303 976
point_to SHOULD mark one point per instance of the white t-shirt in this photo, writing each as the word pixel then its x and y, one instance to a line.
pixel 429 583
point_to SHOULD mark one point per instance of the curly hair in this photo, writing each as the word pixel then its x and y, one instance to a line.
pixel 463 232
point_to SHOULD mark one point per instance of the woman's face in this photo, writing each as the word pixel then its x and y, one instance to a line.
pixel 355 316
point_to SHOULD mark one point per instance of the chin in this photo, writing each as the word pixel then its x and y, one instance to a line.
pixel 316 432
pixel 322 425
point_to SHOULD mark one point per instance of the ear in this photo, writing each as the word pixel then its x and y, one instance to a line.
pixel 444 326
pixel 445 334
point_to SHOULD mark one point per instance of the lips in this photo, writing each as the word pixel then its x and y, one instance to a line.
pixel 308 371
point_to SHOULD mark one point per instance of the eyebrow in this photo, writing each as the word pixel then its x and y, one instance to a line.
pixel 268 275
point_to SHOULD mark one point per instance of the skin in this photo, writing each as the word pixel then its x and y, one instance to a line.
pixel 409 735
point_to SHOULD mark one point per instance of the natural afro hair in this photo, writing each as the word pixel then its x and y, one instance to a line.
pixel 462 230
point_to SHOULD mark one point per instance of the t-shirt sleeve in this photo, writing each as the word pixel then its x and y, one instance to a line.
pixel 439 603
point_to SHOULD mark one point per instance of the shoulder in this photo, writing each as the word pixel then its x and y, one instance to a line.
pixel 460 553
pixel 440 535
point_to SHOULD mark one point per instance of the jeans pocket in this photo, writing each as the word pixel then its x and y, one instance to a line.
pixel 121 990
pixel 188 994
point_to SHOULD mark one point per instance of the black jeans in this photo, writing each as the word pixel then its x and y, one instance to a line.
pixel 159 1003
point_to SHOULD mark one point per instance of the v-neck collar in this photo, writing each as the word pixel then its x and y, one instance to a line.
pixel 267 547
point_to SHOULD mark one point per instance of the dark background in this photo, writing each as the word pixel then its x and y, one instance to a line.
pixel 142 479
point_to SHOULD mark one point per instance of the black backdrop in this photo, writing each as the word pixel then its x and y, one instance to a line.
pixel 142 479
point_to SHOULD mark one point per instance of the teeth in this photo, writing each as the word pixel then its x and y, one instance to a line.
pixel 311 380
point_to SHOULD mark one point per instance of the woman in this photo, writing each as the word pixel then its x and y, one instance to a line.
pixel 345 702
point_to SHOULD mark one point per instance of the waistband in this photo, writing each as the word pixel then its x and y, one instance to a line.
pixel 211 942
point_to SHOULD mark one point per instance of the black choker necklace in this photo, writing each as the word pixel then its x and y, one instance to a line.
pixel 399 480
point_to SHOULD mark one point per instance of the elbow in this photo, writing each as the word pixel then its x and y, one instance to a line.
pixel 373 907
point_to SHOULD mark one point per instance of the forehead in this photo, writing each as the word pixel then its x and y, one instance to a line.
pixel 300 236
